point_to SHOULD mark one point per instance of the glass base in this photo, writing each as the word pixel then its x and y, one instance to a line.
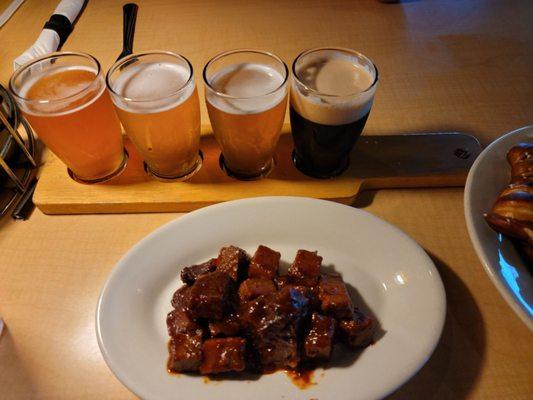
pixel 313 173
pixel 264 172
pixel 180 178
pixel 106 178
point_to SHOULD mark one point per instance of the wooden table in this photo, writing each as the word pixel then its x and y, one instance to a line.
pixel 444 65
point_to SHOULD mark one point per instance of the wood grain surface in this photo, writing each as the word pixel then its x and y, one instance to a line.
pixel 444 66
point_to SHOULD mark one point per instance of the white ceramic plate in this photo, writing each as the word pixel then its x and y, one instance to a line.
pixel 489 175
pixel 394 276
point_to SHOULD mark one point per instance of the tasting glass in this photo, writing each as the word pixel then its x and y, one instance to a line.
pixel 64 98
pixel 157 102
pixel 326 126
pixel 247 125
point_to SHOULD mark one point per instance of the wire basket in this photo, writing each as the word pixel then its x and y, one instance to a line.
pixel 17 157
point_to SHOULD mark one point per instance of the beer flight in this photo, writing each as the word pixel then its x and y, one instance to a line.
pixel 77 111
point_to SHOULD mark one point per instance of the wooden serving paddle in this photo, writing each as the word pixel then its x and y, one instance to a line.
pixel 377 162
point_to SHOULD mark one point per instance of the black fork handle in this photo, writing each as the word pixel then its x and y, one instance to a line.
pixel 130 17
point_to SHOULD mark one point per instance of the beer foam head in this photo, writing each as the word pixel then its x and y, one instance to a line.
pixel 152 87
pixel 333 87
pixel 246 88
pixel 59 89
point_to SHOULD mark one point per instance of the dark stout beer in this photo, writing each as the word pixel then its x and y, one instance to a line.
pixel 331 96
pixel 323 151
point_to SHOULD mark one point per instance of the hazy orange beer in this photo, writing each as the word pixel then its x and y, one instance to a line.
pixel 246 96
pixel 156 99
pixel 64 98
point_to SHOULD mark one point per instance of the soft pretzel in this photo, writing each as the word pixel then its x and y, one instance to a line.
pixel 512 212
pixel 521 159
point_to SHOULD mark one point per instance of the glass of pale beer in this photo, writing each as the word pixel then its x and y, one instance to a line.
pixel 157 102
pixel 64 98
pixel 246 96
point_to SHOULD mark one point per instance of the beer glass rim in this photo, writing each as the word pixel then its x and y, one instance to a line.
pixel 341 49
pixel 126 59
pixel 245 50
pixel 54 55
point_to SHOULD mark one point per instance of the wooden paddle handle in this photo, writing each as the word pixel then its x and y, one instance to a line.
pixel 414 160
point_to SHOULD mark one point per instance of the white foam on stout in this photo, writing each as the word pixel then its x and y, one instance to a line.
pixel 344 78
pixel 252 86
pixel 64 95
pixel 152 87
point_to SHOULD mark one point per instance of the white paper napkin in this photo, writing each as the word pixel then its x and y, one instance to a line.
pixel 48 41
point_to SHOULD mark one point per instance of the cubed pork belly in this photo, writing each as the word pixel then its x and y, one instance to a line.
pixel 305 268
pixel 272 313
pixel 252 288
pixel 272 321
pixel 235 313
pixel 182 298
pixel 277 352
pixel 357 331
pixel 179 321
pixel 185 351
pixel 294 301
pixel 190 274
pixel 310 292
pixel 318 343
pixel 233 261
pixel 263 315
pixel 334 297
pixel 210 295
pixel 264 263
pixel 223 355
pixel 229 326
pixel 282 280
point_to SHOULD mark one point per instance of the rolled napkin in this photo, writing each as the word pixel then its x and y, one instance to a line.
pixel 54 33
